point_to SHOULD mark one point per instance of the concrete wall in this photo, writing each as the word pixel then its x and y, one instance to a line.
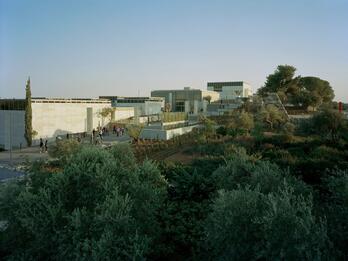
pixel 152 107
pixel 123 113
pixel 231 92
pixel 144 108
pixel 16 119
pixel 52 119
pixel 215 96
pixel 159 134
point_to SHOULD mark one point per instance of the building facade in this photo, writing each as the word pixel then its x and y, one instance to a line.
pixel 54 117
pixel 231 90
pixel 143 106
pixel 223 107
pixel 187 100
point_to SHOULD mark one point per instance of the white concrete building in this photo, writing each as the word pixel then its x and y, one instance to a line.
pixel 143 106
pixel 53 117
pixel 188 100
pixel 231 90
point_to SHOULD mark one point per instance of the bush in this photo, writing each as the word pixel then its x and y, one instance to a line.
pixel 329 123
pixel 334 205
pixel 289 128
pixel 94 209
pixel 64 149
pixel 326 153
pixel 221 131
pixel 241 171
pixel 249 225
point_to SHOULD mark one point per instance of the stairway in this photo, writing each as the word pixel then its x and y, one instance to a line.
pixel 273 98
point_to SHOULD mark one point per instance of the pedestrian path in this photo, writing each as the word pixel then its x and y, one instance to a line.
pixel 31 154
pixel 20 156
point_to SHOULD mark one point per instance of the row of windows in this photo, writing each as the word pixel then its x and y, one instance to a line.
pixel 220 84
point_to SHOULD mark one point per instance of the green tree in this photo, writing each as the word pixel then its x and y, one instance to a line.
pixel 271 115
pixel 334 205
pixel 249 225
pixel 134 131
pixel 282 81
pixel 28 131
pixel 209 126
pixel 329 122
pixel 96 208
pixel 63 150
pixel 306 98
pixel 317 87
pixel 245 121
pixel 107 112
pixel 207 98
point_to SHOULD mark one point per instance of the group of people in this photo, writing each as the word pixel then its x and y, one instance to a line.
pixel 43 146
pixel 100 132
pixel 117 130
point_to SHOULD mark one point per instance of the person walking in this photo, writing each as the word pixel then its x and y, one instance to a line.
pixel 101 134
pixel 46 146
pixel 41 145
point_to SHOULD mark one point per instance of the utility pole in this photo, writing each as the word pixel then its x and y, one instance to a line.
pixel 11 138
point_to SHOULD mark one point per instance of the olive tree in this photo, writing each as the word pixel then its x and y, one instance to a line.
pixel 97 208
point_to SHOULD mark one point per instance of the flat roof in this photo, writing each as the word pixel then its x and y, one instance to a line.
pixel 177 90
pixel 229 83
pixel 68 100
pixel 129 98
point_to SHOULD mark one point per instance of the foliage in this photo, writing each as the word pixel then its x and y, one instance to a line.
pixel 28 131
pixel 221 130
pixel 94 209
pixel 271 116
pixel 107 112
pixel 329 123
pixel 289 128
pixel 187 206
pixel 304 91
pixel 282 81
pixel 335 208
pixel 209 127
pixel 245 121
pixel 242 171
pixel 63 150
pixel 134 131
pixel 318 91
pixel 248 225
pixel 207 98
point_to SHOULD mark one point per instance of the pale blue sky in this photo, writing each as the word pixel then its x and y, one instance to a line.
pixel 90 48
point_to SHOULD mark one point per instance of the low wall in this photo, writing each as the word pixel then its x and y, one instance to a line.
pixel 160 134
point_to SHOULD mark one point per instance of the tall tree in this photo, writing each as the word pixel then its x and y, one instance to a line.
pixel 28 114
pixel 318 91
pixel 282 81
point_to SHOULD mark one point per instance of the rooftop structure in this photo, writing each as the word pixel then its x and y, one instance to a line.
pixel 230 90
pixel 142 105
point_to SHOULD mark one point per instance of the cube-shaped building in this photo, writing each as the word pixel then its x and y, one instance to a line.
pixel 231 90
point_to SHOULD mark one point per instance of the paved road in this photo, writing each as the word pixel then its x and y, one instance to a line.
pixel 6 174
pixel 21 156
